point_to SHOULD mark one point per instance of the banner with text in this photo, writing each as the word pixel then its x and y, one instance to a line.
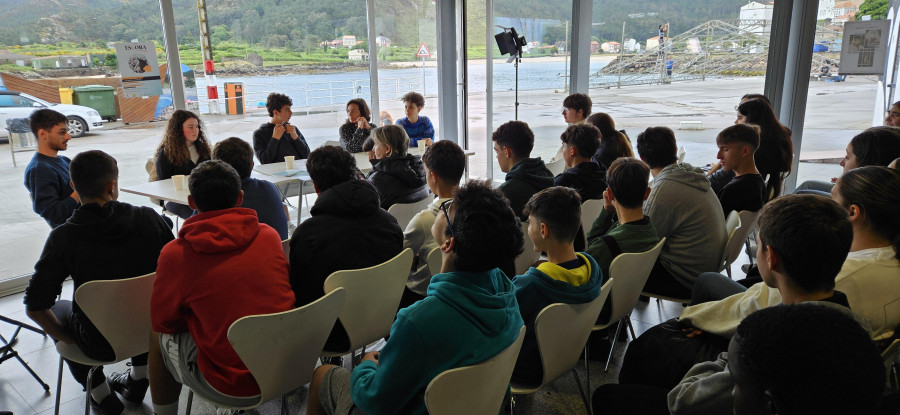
pixel 139 69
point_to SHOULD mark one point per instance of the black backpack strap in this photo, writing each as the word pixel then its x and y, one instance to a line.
pixel 614 247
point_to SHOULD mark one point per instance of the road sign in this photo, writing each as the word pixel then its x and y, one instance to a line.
pixel 423 52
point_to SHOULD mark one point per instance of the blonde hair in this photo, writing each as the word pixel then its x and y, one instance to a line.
pixel 393 136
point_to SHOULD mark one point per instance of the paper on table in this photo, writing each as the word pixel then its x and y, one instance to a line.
pixel 290 173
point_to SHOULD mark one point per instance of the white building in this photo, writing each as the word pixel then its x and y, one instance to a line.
pixel 382 40
pixel 837 11
pixel 610 47
pixel 756 17
pixel 348 41
pixel 357 55
pixel 632 45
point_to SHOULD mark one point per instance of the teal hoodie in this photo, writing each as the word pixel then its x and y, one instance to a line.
pixel 465 319
pixel 536 290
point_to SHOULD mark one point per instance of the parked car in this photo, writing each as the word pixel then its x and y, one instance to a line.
pixel 21 105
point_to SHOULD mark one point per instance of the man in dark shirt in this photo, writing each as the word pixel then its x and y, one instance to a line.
pixel 47 174
pixel 580 142
pixel 278 138
pixel 746 191
pixel 103 240
pixel 525 176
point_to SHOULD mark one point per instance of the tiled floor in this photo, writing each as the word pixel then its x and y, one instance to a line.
pixel 21 394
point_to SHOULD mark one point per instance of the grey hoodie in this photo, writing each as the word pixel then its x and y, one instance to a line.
pixel 685 210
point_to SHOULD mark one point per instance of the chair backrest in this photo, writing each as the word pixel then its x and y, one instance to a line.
pixel 562 330
pixel 528 256
pixel 286 247
pixel 556 166
pixel 590 209
pixel 746 223
pixel 435 261
pixel 404 212
pixel 476 389
pixel 373 295
pixel 281 349
pixel 631 271
pixel 120 309
pixel 681 154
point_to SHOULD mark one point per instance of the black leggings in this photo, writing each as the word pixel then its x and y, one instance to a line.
pixel 91 342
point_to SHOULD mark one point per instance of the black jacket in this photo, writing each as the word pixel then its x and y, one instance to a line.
pixel 586 178
pixel 165 169
pixel 270 150
pixel 527 177
pixel 115 241
pixel 347 230
pixel 399 179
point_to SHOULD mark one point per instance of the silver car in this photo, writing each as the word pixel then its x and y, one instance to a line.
pixel 21 105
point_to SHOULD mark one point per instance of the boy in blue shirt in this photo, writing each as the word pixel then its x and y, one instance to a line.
pixel 554 216
pixel 418 127
pixel 47 174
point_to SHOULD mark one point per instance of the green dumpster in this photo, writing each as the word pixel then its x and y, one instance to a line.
pixel 99 97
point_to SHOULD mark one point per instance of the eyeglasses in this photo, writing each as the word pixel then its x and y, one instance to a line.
pixel 445 206
pixel 893 114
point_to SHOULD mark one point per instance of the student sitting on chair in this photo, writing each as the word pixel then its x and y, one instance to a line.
pixel 418 127
pixel 259 195
pixel 278 137
pixel 554 216
pixel 580 142
pixel 398 175
pixel 799 272
pixel 224 265
pixel 103 240
pixel 347 230
pixel 354 132
pixel 525 176
pixel 469 316
pixel 182 148
pixel 47 174
pixel 444 165
pixel 746 191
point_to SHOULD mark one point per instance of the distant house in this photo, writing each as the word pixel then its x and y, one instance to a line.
pixel 348 41
pixel 381 40
pixel 632 45
pixel 756 17
pixel 7 57
pixel 837 11
pixel 595 46
pixel 844 18
pixel 358 55
pixel 610 47
pixel 61 61
pixel 653 42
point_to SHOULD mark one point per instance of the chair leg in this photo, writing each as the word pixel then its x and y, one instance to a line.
pixel 587 371
pixel 512 404
pixel 587 403
pixel 630 327
pixel 284 404
pixel 189 402
pixel 612 347
pixel 58 385
pixel 87 388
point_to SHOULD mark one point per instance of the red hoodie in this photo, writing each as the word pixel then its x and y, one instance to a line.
pixel 224 265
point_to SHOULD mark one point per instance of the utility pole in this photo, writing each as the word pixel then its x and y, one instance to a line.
pixel 568 56
pixel 209 68
pixel 621 56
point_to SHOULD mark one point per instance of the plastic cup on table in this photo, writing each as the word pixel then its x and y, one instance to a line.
pixel 289 162
pixel 178 181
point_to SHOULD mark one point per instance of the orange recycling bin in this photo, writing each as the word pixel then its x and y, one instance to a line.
pixel 234 98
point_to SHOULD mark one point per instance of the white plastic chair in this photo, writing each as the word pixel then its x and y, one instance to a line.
pixel 528 256
pixel 120 309
pixel 590 210
pixel 737 236
pixel 475 390
pixel 286 247
pixel 561 331
pixel 556 166
pixel 281 349
pixel 435 261
pixel 630 270
pixel 373 295
pixel 681 154
pixel 404 212
pixel 331 143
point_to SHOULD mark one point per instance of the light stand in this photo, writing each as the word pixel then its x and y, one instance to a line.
pixel 7 352
pixel 510 43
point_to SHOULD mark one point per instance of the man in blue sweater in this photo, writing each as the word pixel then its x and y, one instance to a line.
pixel 469 316
pixel 47 174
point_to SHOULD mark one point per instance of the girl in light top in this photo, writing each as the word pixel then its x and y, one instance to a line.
pixel 183 147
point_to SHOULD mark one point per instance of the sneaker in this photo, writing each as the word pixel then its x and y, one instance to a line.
pixel 223 411
pixel 111 405
pixel 130 389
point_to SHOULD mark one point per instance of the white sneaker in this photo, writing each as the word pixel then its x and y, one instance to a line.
pixel 224 411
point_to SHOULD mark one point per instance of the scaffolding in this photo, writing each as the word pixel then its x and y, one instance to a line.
pixel 714 48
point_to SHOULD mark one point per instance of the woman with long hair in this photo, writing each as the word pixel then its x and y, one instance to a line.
pixel 354 132
pixel 183 147
pixel 613 144
pixel 871 274
pixel 398 176
pixel 876 146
